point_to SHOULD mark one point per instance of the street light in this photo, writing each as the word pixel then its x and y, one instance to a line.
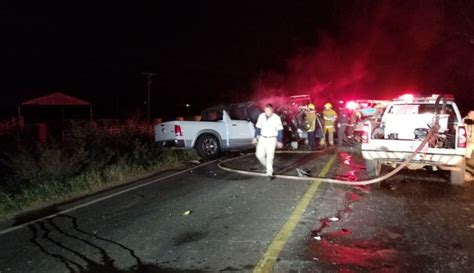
pixel 149 76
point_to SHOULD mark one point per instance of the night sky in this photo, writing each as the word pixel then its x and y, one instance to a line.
pixel 205 53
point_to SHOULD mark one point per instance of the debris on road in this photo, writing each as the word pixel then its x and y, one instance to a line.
pixel 333 219
pixel 302 173
pixel 393 235
pixel 341 232
pixel 187 213
pixel 195 161
pixel 317 237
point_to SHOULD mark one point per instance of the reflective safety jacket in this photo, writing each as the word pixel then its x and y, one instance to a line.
pixel 311 121
pixel 330 117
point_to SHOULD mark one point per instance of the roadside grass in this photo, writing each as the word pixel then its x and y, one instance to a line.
pixel 34 176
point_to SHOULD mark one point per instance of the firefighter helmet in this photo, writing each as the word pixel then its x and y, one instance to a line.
pixel 311 106
pixel 328 105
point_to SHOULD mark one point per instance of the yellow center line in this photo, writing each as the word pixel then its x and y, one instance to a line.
pixel 269 258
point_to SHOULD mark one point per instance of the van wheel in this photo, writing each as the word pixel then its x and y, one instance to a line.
pixel 207 146
pixel 372 168
pixel 457 177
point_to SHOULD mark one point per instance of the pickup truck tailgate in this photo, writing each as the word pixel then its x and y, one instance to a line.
pixel 165 131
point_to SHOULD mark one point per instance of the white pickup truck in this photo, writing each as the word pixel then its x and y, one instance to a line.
pixel 221 128
pixel 402 128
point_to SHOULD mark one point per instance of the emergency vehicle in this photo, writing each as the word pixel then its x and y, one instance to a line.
pixel 404 124
pixel 359 112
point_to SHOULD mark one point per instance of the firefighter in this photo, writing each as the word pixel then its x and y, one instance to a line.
pixel 355 118
pixel 268 136
pixel 376 120
pixel 342 124
pixel 329 117
pixel 379 109
pixel 469 124
pixel 310 119
pixel 352 122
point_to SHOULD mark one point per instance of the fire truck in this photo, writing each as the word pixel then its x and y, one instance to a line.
pixel 405 124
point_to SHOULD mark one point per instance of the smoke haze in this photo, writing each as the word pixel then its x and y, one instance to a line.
pixel 379 49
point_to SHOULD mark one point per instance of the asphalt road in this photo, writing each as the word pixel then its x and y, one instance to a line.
pixel 208 220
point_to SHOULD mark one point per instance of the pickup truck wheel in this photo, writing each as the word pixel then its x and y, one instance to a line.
pixel 207 146
pixel 373 168
pixel 457 177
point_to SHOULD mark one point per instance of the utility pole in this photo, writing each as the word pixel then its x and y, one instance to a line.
pixel 149 76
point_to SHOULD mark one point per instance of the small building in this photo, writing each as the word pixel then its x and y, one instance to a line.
pixel 47 114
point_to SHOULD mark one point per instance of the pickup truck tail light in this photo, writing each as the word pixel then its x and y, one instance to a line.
pixel 365 133
pixel 462 137
pixel 177 130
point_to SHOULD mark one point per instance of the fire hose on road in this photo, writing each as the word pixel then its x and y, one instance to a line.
pixel 433 130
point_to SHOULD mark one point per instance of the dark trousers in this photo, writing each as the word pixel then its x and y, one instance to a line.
pixel 312 140
pixel 341 135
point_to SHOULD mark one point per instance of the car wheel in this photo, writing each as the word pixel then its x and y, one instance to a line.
pixel 457 176
pixel 373 168
pixel 207 146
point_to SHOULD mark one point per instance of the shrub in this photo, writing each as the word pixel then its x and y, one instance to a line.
pixel 85 161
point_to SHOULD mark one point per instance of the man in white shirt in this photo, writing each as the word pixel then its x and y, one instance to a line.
pixel 268 136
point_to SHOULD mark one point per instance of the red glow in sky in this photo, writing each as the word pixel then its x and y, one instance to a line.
pixel 385 47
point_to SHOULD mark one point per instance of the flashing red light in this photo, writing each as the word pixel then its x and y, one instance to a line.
pixel 352 105
pixel 462 137
pixel 177 130
pixel 449 96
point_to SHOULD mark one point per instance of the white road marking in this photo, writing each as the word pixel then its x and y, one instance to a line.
pixel 8 230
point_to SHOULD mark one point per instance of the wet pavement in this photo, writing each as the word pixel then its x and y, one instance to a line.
pixel 208 220
pixel 413 222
